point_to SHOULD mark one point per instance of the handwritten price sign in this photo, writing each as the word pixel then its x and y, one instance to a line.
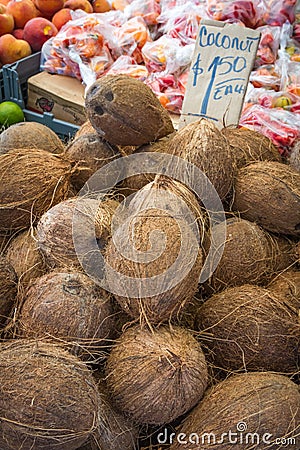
pixel 223 59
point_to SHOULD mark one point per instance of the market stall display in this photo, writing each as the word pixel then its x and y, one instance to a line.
pixel 150 277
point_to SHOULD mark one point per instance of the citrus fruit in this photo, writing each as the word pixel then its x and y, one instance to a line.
pixel 282 102
pixel 10 113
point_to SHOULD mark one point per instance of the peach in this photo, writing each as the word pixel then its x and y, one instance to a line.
pixel 22 11
pixel 119 5
pixel 101 6
pixel 18 33
pixel 61 17
pixel 6 21
pixel 12 49
pixel 79 4
pixel 4 2
pixel 37 31
pixel 49 7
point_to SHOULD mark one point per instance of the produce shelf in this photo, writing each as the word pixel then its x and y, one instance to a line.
pixel 13 87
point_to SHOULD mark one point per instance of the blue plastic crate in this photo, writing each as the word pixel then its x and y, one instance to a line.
pixel 2 93
pixel 15 89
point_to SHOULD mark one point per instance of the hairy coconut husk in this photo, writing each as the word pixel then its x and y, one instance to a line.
pixel 5 239
pixel 88 446
pixel 269 193
pixel 245 257
pixel 156 376
pixel 250 328
pixel 91 153
pixel 201 143
pixel 31 182
pixel 149 433
pixel 250 255
pixel 72 192
pixel 8 289
pixel 294 158
pixel 115 431
pixel 287 286
pixel 85 128
pixel 296 252
pixel 241 412
pixel 154 447
pixel 187 316
pixel 126 150
pixel 125 111
pixel 69 307
pixel 169 301
pixel 25 257
pixel 136 182
pixel 48 397
pixel 31 135
pixel 158 227
pixel 281 253
pixel 172 196
pixel 55 230
pixel 248 146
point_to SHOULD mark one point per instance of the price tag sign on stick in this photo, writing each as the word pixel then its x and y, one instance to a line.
pixel 223 59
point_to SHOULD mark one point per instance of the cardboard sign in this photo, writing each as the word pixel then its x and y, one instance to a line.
pixel 219 74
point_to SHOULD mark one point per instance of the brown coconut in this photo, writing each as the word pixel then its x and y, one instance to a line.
pixel 287 286
pixel 281 253
pixel 172 196
pixel 85 128
pixel 296 252
pixel 134 183
pixel 48 397
pixel 248 146
pixel 115 431
pixel 31 135
pixel 294 158
pixel 253 410
pixel 31 182
pixel 25 257
pixel 250 328
pixel 8 289
pixel 171 274
pixel 269 194
pixel 125 111
pixel 202 144
pixel 5 239
pixel 55 232
pixel 156 376
pixel 245 257
pixel 90 153
pixel 70 307
pixel 250 255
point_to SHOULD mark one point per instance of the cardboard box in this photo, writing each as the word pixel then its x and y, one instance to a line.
pixel 57 94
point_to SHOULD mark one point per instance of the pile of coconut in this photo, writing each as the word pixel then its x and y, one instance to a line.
pixel 149 283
